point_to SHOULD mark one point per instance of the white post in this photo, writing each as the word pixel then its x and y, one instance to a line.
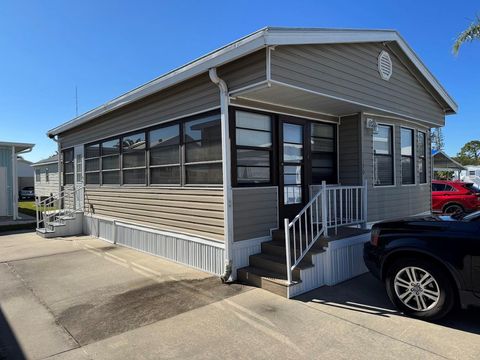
pixel 324 209
pixel 365 204
pixel 36 211
pixel 287 251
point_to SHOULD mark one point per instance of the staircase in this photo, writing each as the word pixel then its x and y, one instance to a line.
pixel 60 215
pixel 297 253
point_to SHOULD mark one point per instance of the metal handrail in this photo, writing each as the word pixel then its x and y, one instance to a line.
pixel 331 207
pixel 45 215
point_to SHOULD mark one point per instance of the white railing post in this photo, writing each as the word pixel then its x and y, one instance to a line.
pixel 324 209
pixel 287 250
pixel 36 211
pixel 365 204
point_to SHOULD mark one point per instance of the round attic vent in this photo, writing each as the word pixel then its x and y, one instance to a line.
pixel 385 65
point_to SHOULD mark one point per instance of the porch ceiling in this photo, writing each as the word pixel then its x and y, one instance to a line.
pixel 291 97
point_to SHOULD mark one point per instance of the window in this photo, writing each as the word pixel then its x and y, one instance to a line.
pixel 92 164
pixel 442 187
pixel 165 155
pixel 383 156
pixel 110 162
pixel 68 167
pixel 47 175
pixel 422 159
pixel 253 133
pixel 203 150
pixel 134 159
pixel 324 155
pixel 406 144
pixel 37 175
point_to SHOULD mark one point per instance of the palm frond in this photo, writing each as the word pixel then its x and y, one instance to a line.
pixel 470 34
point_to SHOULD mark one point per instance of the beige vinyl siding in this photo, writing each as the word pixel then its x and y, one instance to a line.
pixel 42 187
pixel 245 71
pixel 349 71
pixel 255 212
pixel 349 149
pixel 398 200
pixel 197 212
pixel 192 96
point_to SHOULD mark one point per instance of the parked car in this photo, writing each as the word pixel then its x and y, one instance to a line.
pixel 28 192
pixel 427 263
pixel 449 197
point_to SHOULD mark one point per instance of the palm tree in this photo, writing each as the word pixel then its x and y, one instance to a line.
pixel 468 35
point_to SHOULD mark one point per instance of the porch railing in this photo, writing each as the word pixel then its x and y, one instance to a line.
pixel 329 208
pixel 56 208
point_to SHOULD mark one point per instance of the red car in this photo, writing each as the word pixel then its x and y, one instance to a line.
pixel 449 197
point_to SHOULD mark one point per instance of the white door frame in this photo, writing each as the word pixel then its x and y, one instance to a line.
pixel 79 176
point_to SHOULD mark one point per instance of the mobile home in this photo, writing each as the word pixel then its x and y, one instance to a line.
pixel 262 160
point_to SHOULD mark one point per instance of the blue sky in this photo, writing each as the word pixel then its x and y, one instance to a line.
pixel 106 48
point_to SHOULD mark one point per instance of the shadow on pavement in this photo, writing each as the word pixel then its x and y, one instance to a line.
pixel 9 347
pixel 365 294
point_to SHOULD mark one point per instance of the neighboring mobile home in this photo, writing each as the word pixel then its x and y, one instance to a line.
pixel 9 177
pixel 325 128
pixel 24 173
pixel 46 177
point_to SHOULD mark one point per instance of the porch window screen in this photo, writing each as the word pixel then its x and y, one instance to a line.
pixel 92 164
pixel 110 162
pixel 165 155
pixel 134 159
pixel 406 144
pixel 203 151
pixel 383 156
pixel 253 134
pixel 68 167
pixel 422 162
pixel 324 155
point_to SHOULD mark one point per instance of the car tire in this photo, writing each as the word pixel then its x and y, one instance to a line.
pixel 453 209
pixel 430 299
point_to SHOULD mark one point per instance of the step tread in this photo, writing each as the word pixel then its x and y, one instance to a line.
pixel 55 223
pixel 44 231
pixel 281 260
pixel 313 249
pixel 272 276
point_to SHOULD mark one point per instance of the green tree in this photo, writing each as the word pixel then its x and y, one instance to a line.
pixel 470 153
pixel 468 35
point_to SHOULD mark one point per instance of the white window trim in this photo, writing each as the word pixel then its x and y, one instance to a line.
pixel 392 125
pixel 426 158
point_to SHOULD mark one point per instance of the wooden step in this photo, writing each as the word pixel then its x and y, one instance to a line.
pixel 265 279
pixel 277 248
pixel 277 264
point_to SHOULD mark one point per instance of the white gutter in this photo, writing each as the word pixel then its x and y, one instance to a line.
pixel 226 167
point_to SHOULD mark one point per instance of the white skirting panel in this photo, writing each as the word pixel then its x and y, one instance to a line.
pixel 344 259
pixel 199 253
pixel 312 278
pixel 242 251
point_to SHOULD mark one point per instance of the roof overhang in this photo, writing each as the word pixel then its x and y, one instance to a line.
pixel 270 36
pixel 19 147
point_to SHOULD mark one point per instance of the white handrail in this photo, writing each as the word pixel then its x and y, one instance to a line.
pixel 331 207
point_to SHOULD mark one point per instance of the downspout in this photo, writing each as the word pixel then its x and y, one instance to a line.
pixel 227 182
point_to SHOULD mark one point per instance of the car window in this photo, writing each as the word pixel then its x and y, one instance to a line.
pixel 449 188
pixel 472 187
pixel 475 217
pixel 438 187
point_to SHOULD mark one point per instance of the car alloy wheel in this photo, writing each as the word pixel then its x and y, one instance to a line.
pixel 416 288
pixel 453 209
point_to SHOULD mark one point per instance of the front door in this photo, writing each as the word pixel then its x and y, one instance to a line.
pixel 293 194
pixel 79 177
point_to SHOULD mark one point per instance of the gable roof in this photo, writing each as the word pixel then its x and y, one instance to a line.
pixel 443 162
pixel 269 36
pixel 50 160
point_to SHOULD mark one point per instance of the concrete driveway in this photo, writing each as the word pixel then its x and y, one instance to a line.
pixel 82 298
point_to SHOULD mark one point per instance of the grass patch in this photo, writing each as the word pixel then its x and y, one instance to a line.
pixel 27 208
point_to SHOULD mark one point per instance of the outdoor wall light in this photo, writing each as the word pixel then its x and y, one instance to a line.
pixel 372 124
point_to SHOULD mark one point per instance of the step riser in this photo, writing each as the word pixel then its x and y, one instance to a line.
pixel 279 251
pixel 258 281
pixel 273 266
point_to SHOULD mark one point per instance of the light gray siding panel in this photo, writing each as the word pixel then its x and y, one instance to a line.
pixel 42 187
pixel 248 70
pixel 349 71
pixel 399 200
pixel 192 96
pixel 255 212
pixel 349 170
pixel 197 212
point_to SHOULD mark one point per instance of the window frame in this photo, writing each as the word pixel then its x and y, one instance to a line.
pixel 423 158
pixel 392 156
pixel 335 153
pixel 411 157
pixel 236 147
pixel 68 162
pixel 119 169
pixel 145 154
pixel 38 175
pixel 99 157
pixel 47 175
